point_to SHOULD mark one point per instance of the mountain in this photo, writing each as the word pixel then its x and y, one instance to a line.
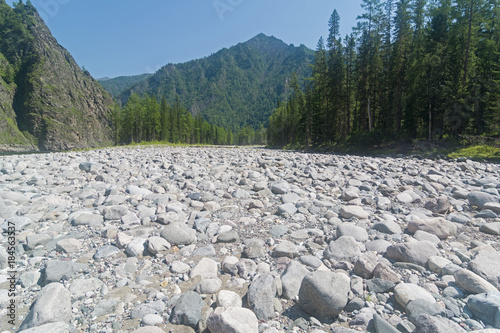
pixel 46 101
pixel 234 87
pixel 115 86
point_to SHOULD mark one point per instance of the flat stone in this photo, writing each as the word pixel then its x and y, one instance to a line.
pixel 492 228
pixel 285 249
pixel 379 285
pixel 106 251
pixel 353 211
pixel 413 252
pixel 157 245
pixel 418 307
pixel 343 248
pixel 69 245
pixel 58 327
pixel 291 279
pixel 472 283
pixel 228 237
pixel 479 199
pixel 436 226
pixel 486 264
pixel 105 307
pixel 115 212
pixel 358 233
pixel 287 208
pixel 227 298
pixel 431 324
pixel 382 326
pixel 80 287
pixel 261 293
pixel 56 271
pixel 209 286
pixel 178 233
pixel 436 264
pixel 234 320
pixel 388 227
pixel 53 304
pixel 206 269
pixel 407 292
pixel 136 247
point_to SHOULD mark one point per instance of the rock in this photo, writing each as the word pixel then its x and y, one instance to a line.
pixel 115 212
pixel 233 320
pixel 30 279
pixel 388 227
pixel 105 307
pixel 379 285
pixel 382 326
pixel 418 307
pixel 228 237
pixel 358 233
pixel 288 208
pixel 425 236
pixel 439 205
pixel 492 228
pixel 479 199
pixel 324 294
pixel 486 264
pixel 285 249
pixel 343 248
pixel 353 211
pixel 493 206
pixel 152 319
pixel 280 188
pixel 148 329
pixel 35 240
pixel 261 293
pixel 157 245
pixel 209 286
pixel 413 252
pixel 106 251
pixel 187 310
pixel 384 272
pixel 365 265
pixel 206 269
pixel 430 324
pixel 486 307
pixel 407 292
pixel 254 248
pixel 436 226
pixel 56 271
pixel 377 245
pixel 472 283
pixel 227 299
pixel 246 268
pixel 291 279
pixel 85 218
pixel 80 287
pixel 178 233
pixel 363 318
pixel 53 304
pixel 436 264
pixel 136 247
pixel 69 245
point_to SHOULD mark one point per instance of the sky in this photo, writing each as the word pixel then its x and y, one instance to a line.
pixel 112 38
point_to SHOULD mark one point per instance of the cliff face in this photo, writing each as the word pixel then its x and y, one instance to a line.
pixel 50 103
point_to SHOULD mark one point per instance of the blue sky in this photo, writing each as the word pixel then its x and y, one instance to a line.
pixel 126 37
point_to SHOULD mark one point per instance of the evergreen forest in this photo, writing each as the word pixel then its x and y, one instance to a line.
pixel 410 69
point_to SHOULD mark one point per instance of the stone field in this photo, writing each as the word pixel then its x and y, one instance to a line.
pixel 188 239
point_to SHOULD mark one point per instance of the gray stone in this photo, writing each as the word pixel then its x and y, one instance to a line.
pixel 246 268
pixel 343 248
pixel 413 252
pixel 187 310
pixel 209 286
pixel 407 292
pixel 148 329
pixel 479 199
pixel 288 208
pixel 377 245
pixel 384 272
pixel 486 264
pixel 358 233
pixel 254 248
pixel 80 287
pixel 33 241
pixel 290 198
pixel 436 226
pixel 382 326
pixel 353 211
pixel 492 228
pixel 227 298
pixel 157 245
pixel 311 261
pixel 291 279
pixel 379 286
pixel 486 307
pixel 418 307
pixel 69 245
pixel 53 304
pixel 493 206
pixel 105 307
pixel 472 283
pixel 365 265
pixel 152 319
pixel 58 327
pixel 430 324
pixel 206 269
pixel 206 251
pixel 56 271
pixel 261 293
pixel 280 188
pixel 279 230
pixel 136 247
pixel 178 233
pixel 106 251
pixel 388 227
pixel 324 294
pixel 115 212
pixel 233 320
pixel 230 236
pixel 425 236
pixel 363 318
pixel 142 310
pixel 86 218
pixel 285 249
pixel 29 279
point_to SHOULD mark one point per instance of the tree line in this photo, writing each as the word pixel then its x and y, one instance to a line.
pixel 410 69
pixel 145 119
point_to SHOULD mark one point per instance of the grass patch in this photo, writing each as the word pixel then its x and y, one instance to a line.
pixel 482 152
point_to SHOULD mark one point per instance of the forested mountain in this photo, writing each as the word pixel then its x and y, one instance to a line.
pixel 46 101
pixel 234 87
pixel 410 69
pixel 115 86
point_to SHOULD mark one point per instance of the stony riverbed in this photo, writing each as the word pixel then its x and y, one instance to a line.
pixel 164 239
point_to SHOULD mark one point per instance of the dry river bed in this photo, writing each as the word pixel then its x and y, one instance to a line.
pixel 164 239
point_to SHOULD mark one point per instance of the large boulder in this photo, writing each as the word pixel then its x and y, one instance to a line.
pixel 324 294
pixel 486 307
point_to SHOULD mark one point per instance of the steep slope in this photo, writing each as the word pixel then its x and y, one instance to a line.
pixel 46 99
pixel 234 87
pixel 117 85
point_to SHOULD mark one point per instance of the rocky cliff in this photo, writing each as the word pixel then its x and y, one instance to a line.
pixel 46 101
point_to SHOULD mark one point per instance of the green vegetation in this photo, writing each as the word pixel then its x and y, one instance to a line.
pixel 411 69
pixel 233 88
pixel 481 152
pixel 117 85
pixel 145 120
